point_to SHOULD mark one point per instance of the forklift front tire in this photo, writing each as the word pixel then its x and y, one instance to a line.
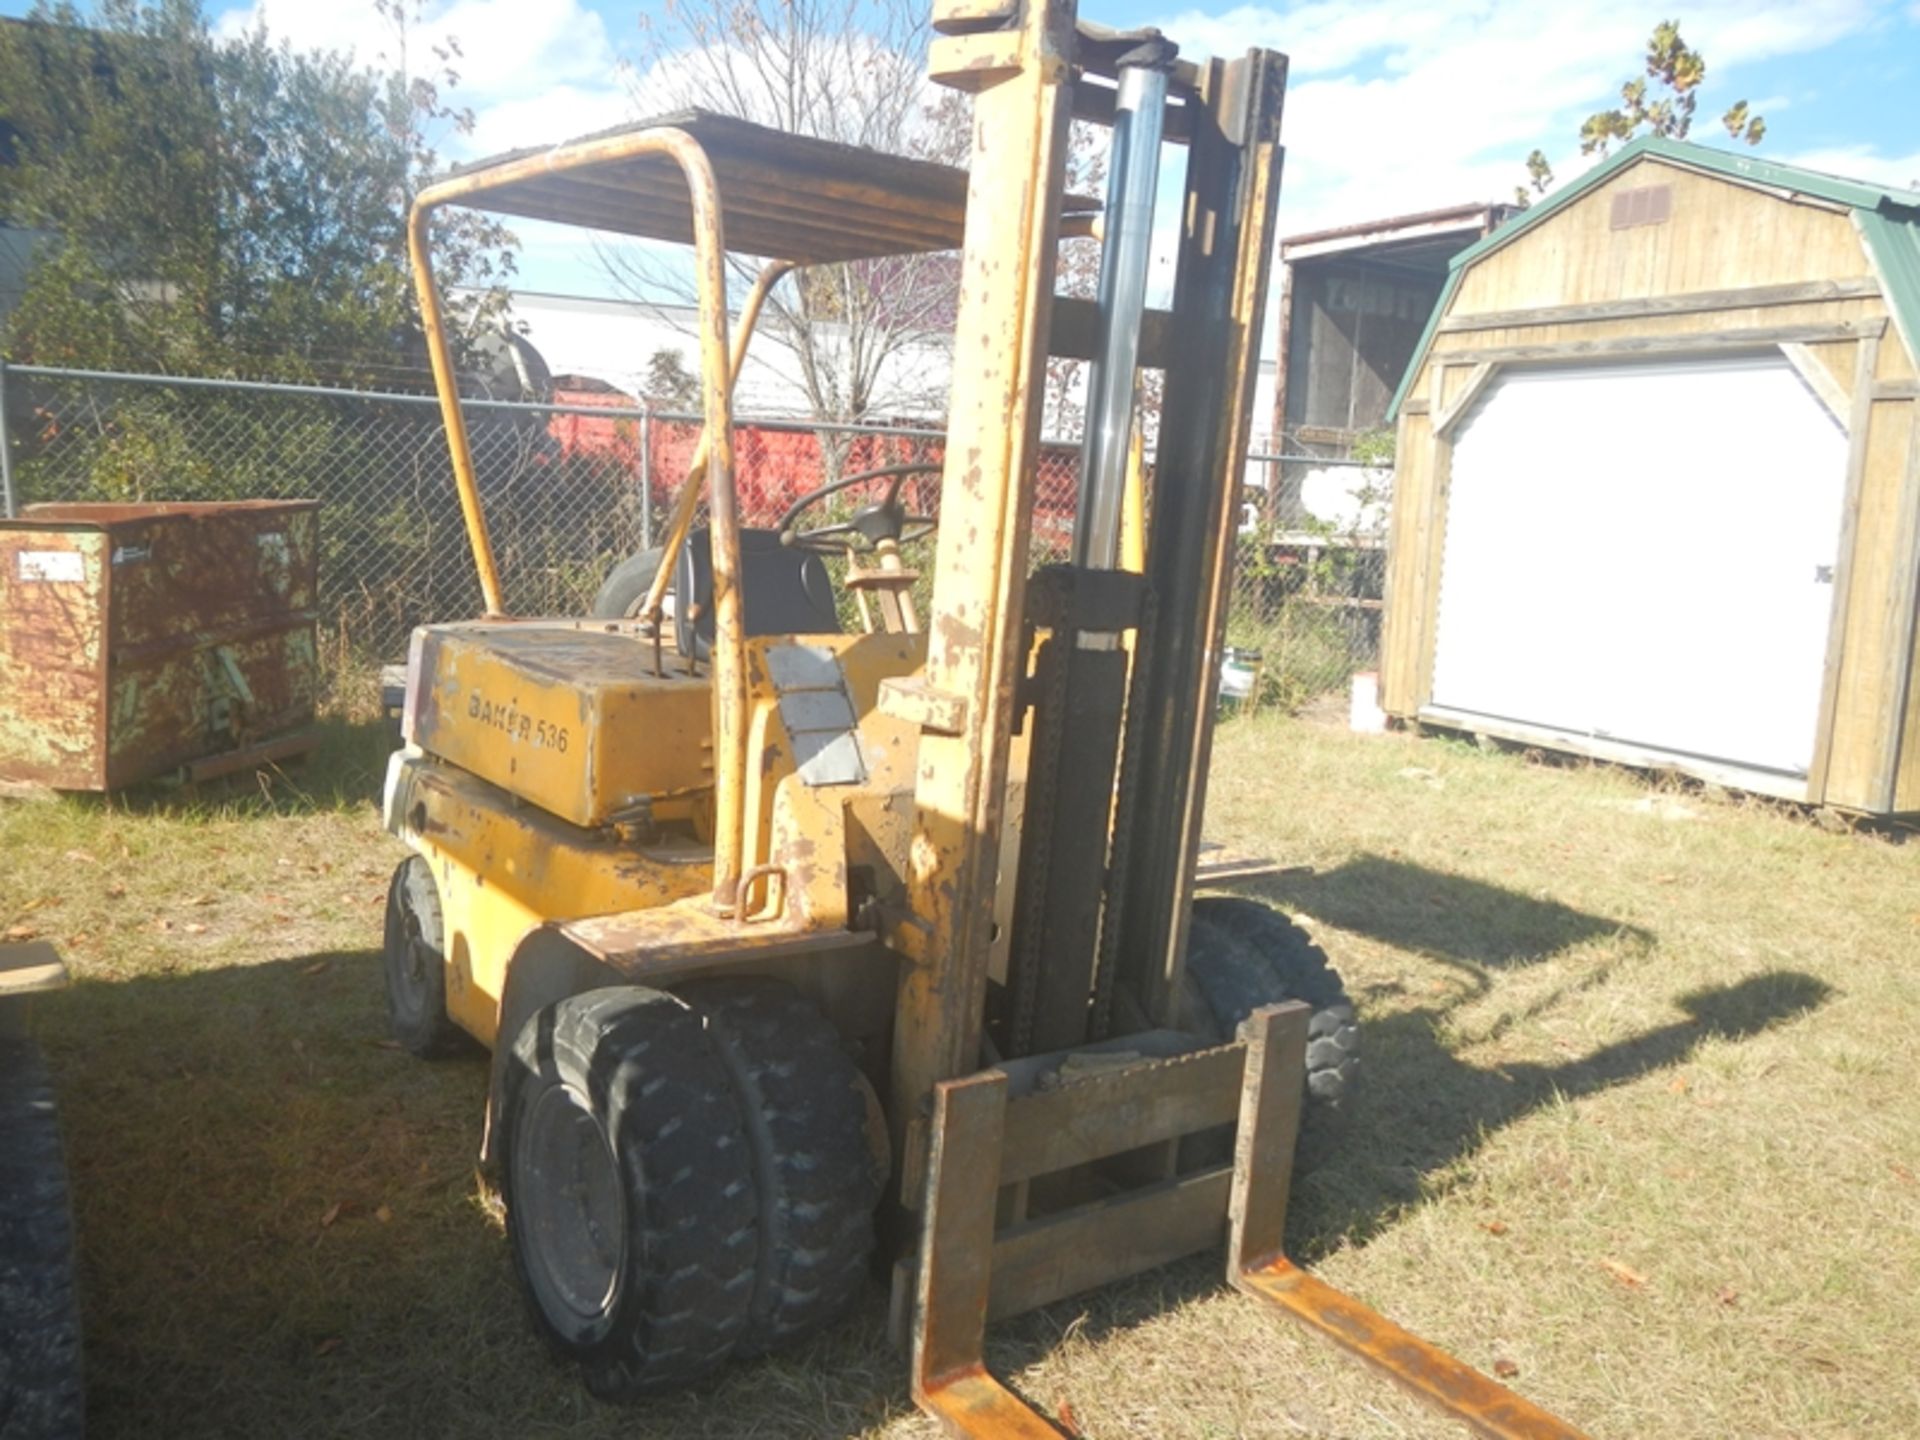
pixel 629 1190
pixel 416 965
pixel 820 1153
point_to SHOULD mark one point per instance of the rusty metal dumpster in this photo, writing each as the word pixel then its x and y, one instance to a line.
pixel 145 640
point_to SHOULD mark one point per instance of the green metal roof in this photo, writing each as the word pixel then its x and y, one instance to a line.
pixel 1889 223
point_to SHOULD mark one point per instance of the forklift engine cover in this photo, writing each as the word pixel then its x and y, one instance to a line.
pixel 566 715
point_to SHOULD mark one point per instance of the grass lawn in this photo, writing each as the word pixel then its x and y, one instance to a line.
pixel 1641 1127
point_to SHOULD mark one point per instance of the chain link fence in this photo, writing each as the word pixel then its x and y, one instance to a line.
pixel 573 486
pixel 1310 576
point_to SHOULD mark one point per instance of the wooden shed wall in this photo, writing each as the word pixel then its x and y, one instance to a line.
pixel 1721 236
pixel 1732 268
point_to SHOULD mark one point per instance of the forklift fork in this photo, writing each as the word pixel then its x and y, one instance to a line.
pixel 1001 1127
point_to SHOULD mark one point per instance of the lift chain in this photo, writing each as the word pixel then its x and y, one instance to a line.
pixel 1124 805
pixel 1048 705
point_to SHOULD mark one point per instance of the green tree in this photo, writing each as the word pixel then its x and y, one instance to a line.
pixel 1660 102
pixel 221 206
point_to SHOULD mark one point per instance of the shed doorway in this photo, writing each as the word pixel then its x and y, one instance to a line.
pixel 1645 553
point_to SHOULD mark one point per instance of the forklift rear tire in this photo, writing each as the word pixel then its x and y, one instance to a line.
pixel 629 1190
pixel 820 1153
pixel 416 966
pixel 40 1395
pixel 1242 955
pixel 625 588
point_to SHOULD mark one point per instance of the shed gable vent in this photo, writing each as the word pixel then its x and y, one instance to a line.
pixel 1647 205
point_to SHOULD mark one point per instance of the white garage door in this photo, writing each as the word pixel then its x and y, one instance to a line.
pixel 1644 553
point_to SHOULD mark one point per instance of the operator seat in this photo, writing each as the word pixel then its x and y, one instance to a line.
pixel 783 591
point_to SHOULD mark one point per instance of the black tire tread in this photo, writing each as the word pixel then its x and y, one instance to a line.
pixel 40 1364
pixel 1303 972
pixel 626 585
pixel 819 1155
pixel 419 1022
pixel 645 1060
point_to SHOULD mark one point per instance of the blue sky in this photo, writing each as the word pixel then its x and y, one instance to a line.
pixel 1393 105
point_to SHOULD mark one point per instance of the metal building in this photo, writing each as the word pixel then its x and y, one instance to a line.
pixel 1352 301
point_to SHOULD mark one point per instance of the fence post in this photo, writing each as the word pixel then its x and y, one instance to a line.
pixel 6 451
pixel 646 474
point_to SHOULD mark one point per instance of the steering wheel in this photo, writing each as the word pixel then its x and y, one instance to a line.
pixel 885 519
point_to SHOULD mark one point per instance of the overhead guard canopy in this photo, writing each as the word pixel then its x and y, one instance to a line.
pixel 784 197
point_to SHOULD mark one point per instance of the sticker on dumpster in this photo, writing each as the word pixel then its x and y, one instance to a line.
pixel 56 565
pixel 127 554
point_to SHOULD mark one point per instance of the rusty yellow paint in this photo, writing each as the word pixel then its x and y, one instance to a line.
pixel 550 711
pixel 806 830
pixel 845 811
pixel 472 189
pixel 503 870
pixel 710 269
pixel 1022 88
pixel 1483 1404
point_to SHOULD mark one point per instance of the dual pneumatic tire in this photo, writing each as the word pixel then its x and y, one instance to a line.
pixel 688 1177
pixel 1242 955
pixel 818 1138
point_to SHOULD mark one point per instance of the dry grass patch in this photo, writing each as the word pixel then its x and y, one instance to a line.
pixel 1639 1123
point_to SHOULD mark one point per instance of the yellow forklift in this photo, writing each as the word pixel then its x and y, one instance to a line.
pixel 802 952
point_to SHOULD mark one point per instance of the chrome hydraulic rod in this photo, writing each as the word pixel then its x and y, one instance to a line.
pixel 1127 226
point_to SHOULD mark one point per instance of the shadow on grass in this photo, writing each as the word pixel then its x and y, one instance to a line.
pixel 1423 1111
pixel 282 1232
pixel 346 768
pixel 1422 1108
pixel 1448 917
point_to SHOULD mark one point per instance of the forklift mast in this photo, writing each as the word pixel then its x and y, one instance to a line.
pixel 1104 920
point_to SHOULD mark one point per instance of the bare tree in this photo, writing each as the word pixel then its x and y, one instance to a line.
pixel 852 71
pixel 1063 414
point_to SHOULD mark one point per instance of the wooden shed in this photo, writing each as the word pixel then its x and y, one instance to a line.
pixel 1658 481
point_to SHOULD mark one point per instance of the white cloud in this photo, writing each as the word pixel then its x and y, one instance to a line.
pixel 1393 106
pixel 1407 105
pixel 564 113
pixel 531 73
pixel 1860 162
